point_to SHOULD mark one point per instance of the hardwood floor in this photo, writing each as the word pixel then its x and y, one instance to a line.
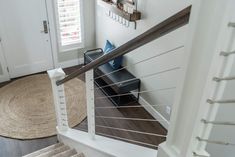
pixel 16 148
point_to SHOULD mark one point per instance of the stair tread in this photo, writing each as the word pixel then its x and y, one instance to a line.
pixel 78 155
pixel 58 150
pixel 44 150
pixel 66 153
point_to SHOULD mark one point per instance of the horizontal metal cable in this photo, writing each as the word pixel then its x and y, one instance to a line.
pixel 129 140
pixel 134 119
pixel 218 123
pixel 120 138
pixel 147 91
pixel 198 155
pixel 132 106
pixel 231 24
pixel 82 129
pixel 142 77
pixel 215 142
pixel 133 131
pixel 228 101
pixel 163 53
pixel 229 78
pixel 227 53
pixel 83 124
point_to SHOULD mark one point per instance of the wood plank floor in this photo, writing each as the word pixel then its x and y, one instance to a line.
pixel 16 148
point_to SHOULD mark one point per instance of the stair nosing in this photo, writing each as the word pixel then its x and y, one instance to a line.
pixel 61 153
pixel 44 150
pixel 78 155
pixel 49 153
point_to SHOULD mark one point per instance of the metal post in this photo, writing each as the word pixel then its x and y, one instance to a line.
pixel 90 103
pixel 59 99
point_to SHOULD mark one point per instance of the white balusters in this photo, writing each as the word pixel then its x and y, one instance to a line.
pixel 59 98
pixel 90 103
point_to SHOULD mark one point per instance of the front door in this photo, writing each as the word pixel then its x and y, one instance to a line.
pixel 25 36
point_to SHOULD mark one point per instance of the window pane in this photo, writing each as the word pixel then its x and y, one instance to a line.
pixel 69 21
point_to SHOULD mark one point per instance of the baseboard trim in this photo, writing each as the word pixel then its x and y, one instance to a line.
pixel 162 120
pixel 4 78
pixel 71 63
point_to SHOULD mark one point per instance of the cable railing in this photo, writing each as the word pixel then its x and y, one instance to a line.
pixel 58 78
pixel 142 77
pixel 83 127
pixel 141 92
pixel 172 23
pixel 215 142
pixel 136 119
pixel 218 79
pixel 223 53
pixel 123 139
pixel 129 119
pixel 126 106
pixel 218 100
pixel 132 119
pixel 144 60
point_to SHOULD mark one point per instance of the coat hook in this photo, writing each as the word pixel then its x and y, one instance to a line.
pixel 127 23
pixel 123 22
pixel 116 17
pixel 120 20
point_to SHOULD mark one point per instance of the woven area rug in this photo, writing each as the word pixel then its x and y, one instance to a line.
pixel 27 108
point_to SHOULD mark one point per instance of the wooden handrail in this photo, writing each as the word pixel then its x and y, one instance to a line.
pixel 172 23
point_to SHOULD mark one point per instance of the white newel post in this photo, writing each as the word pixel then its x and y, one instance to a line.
pixel 90 103
pixel 59 99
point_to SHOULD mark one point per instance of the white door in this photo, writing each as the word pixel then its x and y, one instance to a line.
pixel 25 40
pixel 3 69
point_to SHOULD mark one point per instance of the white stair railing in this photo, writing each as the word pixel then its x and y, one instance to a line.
pixel 59 99
pixel 170 24
pixel 188 133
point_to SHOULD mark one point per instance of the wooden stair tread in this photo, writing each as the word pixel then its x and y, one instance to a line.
pixel 44 150
pixel 78 155
pixel 66 153
pixel 55 151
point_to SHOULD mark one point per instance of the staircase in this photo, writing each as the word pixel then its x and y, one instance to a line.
pixel 195 104
pixel 56 150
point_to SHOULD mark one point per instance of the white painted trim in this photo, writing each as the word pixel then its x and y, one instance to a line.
pixel 5 76
pixel 158 116
pixel 52 26
pixel 59 98
pixel 71 63
pixel 90 98
pixel 103 146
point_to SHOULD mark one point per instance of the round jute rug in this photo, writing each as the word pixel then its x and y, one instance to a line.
pixel 27 108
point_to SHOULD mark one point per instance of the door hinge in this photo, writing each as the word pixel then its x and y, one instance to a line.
pixel 0 39
pixel 8 69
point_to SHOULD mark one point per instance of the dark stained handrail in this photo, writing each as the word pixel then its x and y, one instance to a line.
pixel 172 23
